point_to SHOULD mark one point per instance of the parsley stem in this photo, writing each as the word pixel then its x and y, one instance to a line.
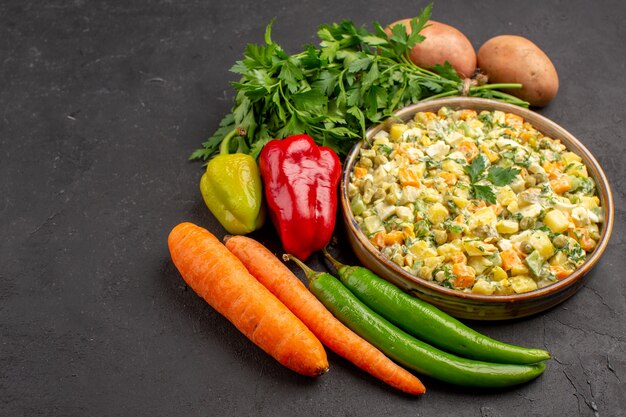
pixel 497 86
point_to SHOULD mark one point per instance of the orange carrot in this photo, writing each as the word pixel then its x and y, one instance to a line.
pixel 409 176
pixel 279 279
pixel 465 275
pixel 468 114
pixel 378 240
pixel 561 184
pixel 395 236
pixel 582 236
pixel 469 149
pixel 448 177
pixel 458 257
pixel 510 258
pixel 360 172
pixel 560 272
pixel 514 120
pixel 216 275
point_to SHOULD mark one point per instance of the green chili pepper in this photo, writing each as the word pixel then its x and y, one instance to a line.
pixel 404 348
pixel 426 322
pixel 232 189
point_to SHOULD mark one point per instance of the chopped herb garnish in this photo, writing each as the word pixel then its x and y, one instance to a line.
pixel 498 176
pixel 453 227
pixel 484 192
pixel 502 176
pixel 386 149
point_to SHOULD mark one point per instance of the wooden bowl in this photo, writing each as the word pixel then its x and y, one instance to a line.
pixel 467 305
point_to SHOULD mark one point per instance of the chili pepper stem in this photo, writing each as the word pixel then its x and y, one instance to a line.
pixel 309 273
pixel 338 265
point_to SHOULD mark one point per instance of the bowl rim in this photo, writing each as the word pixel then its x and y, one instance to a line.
pixel 602 183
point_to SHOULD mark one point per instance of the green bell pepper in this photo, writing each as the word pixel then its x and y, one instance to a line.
pixel 232 190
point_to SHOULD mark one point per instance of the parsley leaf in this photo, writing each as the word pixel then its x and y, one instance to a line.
pixel 476 168
pixel 311 100
pixel 484 192
pixel 502 176
pixel 447 71
pixel 417 25
pixel 498 176
pixel 291 74
pixel 326 82
pixel 359 64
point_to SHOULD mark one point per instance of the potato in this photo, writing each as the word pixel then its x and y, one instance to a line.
pixel 443 43
pixel 515 59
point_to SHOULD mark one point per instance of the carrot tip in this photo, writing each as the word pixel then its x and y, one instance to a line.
pixel 227 238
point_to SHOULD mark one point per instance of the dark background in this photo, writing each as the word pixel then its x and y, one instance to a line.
pixel 100 105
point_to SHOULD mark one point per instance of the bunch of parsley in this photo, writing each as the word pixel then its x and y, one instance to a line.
pixel 334 92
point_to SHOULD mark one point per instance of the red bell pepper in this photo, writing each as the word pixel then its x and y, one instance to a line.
pixel 301 181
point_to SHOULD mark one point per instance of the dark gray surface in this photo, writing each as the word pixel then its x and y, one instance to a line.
pixel 100 105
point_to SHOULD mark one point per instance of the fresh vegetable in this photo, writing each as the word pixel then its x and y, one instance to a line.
pixel 216 275
pixel 334 92
pixel 301 181
pixel 404 348
pixel 279 279
pixel 443 43
pixel 515 59
pixel 231 188
pixel 428 323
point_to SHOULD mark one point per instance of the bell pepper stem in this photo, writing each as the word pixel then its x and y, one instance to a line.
pixel 224 146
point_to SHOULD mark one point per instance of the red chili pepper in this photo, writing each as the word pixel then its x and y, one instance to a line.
pixel 301 181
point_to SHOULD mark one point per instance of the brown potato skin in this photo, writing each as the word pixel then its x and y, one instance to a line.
pixel 515 59
pixel 443 43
